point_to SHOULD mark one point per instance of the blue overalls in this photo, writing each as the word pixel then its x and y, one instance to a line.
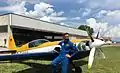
pixel 62 59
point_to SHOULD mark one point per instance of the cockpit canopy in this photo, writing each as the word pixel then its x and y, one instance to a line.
pixel 37 42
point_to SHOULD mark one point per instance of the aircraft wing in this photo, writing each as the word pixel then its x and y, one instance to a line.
pixel 42 56
pixel 34 56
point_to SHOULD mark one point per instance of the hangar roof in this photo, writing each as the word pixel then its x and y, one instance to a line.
pixel 36 24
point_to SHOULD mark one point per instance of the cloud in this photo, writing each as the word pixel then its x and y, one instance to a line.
pixel 103 10
pixel 101 13
pixel 57 14
pixel 110 16
pixel 105 28
pixel 113 17
pixel 33 1
pixel 86 12
pixel 101 4
pixel 43 11
pixel 81 1
pixel 96 25
pixel 76 18
pixel 115 32
pixel 58 19
pixel 40 10
pixel 53 19
pixel 13 2
pixel 18 8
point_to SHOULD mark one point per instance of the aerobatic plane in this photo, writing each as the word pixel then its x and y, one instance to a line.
pixel 46 50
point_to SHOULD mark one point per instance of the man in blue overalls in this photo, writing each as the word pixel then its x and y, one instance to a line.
pixel 64 56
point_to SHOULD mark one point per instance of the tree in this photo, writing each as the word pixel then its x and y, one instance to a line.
pixel 86 28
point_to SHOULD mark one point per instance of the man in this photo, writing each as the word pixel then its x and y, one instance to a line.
pixel 64 56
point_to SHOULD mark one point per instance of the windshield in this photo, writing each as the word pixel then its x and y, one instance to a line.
pixel 37 42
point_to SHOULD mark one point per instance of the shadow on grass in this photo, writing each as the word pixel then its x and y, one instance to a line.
pixel 80 62
pixel 35 68
pixel 41 68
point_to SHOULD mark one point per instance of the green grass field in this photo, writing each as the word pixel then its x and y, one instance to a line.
pixel 109 65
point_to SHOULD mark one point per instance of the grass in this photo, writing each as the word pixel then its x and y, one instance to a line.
pixel 109 65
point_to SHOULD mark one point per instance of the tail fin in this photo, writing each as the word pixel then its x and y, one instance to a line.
pixel 11 43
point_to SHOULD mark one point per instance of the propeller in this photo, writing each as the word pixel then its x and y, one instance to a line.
pixel 94 44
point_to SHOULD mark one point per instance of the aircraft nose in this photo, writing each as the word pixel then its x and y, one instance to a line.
pixel 97 44
pixel 103 42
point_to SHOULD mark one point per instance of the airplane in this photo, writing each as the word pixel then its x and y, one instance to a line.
pixel 49 50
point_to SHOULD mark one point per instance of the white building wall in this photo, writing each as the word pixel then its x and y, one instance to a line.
pixel 2 37
pixel 4 20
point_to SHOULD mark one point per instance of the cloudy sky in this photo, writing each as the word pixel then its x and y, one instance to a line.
pixel 103 15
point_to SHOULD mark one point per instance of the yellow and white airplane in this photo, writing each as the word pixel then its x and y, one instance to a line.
pixel 44 49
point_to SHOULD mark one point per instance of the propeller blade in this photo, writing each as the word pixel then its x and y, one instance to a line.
pixel 89 35
pixel 101 52
pixel 91 57
pixel 97 35
pixel 91 38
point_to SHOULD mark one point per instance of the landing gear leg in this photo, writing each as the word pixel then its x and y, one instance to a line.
pixel 76 69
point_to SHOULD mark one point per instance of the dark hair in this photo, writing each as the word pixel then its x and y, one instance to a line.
pixel 65 34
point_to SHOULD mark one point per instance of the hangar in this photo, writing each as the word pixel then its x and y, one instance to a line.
pixel 25 29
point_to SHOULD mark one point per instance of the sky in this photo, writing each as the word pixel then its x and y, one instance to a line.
pixel 101 15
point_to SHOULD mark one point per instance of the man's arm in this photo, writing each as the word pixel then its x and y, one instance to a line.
pixel 72 50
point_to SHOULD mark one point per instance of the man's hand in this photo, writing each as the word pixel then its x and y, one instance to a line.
pixel 68 56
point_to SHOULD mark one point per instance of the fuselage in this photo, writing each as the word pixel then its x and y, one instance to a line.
pixel 45 47
pixel 97 43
